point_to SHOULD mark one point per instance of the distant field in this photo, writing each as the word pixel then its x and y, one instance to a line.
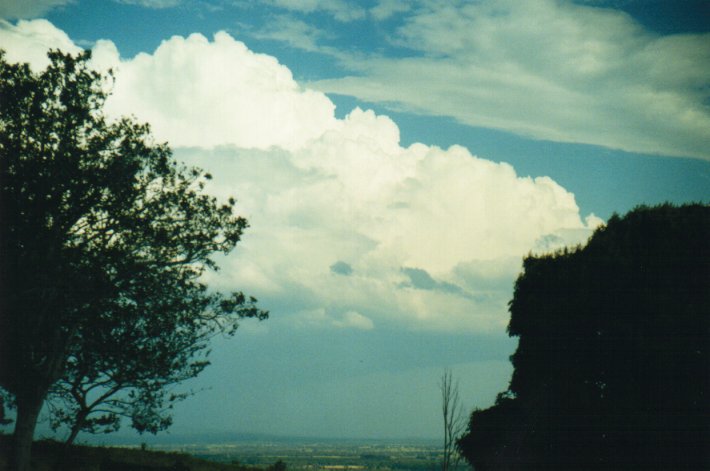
pixel 331 456
pixel 49 455
pixel 240 456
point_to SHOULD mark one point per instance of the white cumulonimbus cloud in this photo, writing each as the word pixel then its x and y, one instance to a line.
pixel 203 93
pixel 348 228
pixel 28 41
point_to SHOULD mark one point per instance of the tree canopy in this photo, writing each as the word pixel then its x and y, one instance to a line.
pixel 104 239
pixel 612 369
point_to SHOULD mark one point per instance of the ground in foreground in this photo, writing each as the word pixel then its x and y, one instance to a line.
pixel 48 455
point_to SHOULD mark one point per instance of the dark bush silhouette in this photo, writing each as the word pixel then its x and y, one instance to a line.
pixel 612 369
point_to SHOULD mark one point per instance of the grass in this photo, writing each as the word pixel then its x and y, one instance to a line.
pixel 49 455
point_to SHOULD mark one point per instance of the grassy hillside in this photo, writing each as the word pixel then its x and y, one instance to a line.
pixel 49 455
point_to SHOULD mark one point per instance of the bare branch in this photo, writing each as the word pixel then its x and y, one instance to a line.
pixel 454 418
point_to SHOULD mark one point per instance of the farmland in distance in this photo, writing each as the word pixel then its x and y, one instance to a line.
pixel 317 455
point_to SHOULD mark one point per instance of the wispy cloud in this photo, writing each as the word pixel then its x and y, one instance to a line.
pixel 546 69
pixel 26 9
pixel 341 10
pixel 152 3
pixel 387 8
pixel 294 32
pixel 14 9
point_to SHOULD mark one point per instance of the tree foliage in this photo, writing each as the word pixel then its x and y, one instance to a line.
pixel 612 369
pixel 104 239
pixel 114 373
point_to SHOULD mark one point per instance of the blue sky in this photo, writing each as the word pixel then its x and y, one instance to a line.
pixel 396 161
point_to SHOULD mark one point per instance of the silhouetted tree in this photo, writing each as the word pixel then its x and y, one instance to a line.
pixel 453 416
pixel 119 379
pixel 101 229
pixel 612 369
pixel 127 369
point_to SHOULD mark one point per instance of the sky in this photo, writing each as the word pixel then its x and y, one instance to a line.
pixel 396 161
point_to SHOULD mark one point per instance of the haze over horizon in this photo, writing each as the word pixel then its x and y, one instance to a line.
pixel 395 161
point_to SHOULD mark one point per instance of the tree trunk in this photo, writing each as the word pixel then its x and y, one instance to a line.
pixel 27 413
pixel 72 436
pixel 76 427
